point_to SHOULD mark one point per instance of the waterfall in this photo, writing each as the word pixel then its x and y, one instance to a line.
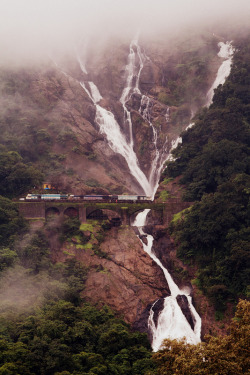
pixel 159 155
pixel 109 126
pixel 116 140
pixel 136 60
pixel 226 52
pixel 171 323
pixel 133 70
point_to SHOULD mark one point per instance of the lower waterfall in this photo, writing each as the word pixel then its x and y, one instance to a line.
pixel 172 323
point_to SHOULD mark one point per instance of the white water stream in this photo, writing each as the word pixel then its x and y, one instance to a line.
pixel 226 52
pixel 172 323
pixel 116 140
pixel 133 70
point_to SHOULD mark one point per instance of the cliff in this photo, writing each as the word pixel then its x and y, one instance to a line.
pixel 123 276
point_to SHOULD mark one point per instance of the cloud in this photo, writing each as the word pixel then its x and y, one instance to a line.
pixel 30 28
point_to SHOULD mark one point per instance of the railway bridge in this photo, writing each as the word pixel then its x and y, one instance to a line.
pixel 120 213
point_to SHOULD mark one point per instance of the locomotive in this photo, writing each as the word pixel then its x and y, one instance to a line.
pixel 88 198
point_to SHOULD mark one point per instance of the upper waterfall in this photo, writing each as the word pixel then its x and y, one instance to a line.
pixel 121 139
pixel 226 52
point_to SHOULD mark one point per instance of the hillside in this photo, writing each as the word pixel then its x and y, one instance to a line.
pixel 49 119
pixel 73 295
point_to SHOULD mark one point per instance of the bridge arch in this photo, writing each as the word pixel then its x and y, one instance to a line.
pixel 71 212
pixel 52 211
pixel 102 214
pixel 105 214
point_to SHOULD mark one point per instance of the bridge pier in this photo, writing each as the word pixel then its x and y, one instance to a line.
pixel 125 216
pixel 82 214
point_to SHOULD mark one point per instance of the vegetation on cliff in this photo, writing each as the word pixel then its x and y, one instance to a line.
pixel 213 162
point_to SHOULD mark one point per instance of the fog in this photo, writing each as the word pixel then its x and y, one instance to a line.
pixel 31 29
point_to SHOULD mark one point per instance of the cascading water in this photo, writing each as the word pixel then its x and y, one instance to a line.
pixel 133 70
pixel 226 52
pixel 136 59
pixel 116 140
pixel 109 126
pixel 159 155
pixel 171 323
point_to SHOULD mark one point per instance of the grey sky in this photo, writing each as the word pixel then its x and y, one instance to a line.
pixel 28 27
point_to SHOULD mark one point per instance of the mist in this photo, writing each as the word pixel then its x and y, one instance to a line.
pixel 31 30
pixel 21 291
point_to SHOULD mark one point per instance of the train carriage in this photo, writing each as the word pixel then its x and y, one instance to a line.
pixel 88 198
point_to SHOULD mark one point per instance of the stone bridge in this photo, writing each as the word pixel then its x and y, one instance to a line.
pixel 161 213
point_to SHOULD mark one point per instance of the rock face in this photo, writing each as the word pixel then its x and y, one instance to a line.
pixel 126 279
pixel 142 323
pixel 183 303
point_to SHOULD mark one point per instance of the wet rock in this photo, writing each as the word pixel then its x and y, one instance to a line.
pixel 183 303
pixel 157 309
pixel 142 323
pixel 144 239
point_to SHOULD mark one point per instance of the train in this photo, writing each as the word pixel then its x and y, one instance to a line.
pixel 88 198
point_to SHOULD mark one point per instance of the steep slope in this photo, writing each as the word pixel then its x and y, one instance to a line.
pixel 120 274
pixel 48 117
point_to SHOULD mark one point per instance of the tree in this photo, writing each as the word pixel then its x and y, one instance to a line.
pixel 16 177
pixel 10 222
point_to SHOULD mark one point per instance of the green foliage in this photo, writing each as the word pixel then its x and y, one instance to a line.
pixel 164 98
pixel 65 136
pixel 215 233
pixel 16 177
pixel 10 222
pixel 69 228
pixel 64 339
pixel 97 232
pixel 35 255
pixel 7 258
pixel 164 195
pixel 180 215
